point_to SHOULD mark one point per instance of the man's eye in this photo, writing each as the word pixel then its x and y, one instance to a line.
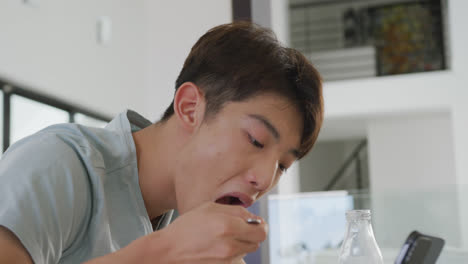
pixel 255 142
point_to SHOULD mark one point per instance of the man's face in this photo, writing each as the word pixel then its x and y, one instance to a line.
pixel 239 154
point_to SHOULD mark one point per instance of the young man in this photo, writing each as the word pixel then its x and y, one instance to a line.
pixel 244 110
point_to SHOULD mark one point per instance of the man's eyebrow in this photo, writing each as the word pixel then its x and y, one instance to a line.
pixel 273 131
pixel 267 124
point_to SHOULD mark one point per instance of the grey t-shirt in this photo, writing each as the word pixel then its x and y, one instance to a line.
pixel 70 193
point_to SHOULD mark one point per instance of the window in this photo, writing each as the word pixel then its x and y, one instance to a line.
pixel 29 116
pixel 24 112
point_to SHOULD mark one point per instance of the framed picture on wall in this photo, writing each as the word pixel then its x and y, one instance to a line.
pixel 408 37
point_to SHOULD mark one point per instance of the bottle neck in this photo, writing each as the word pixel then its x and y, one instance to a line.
pixel 359 221
pixel 360 226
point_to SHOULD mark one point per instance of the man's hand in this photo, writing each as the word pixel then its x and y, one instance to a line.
pixel 211 233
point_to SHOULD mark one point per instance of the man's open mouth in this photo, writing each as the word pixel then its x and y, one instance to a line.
pixel 235 198
pixel 229 200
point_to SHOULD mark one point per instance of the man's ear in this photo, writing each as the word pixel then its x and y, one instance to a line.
pixel 189 106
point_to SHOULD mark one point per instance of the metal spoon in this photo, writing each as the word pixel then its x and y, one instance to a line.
pixel 254 221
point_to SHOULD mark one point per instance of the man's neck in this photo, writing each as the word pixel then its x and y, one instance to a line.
pixel 156 148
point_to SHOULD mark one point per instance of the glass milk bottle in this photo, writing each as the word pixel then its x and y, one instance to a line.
pixel 359 245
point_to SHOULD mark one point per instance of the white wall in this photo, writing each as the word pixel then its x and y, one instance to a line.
pixel 174 26
pixel 459 57
pixel 413 181
pixel 52 47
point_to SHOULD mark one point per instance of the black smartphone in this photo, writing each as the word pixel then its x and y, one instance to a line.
pixel 420 249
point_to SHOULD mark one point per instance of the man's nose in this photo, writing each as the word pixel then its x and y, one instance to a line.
pixel 263 174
